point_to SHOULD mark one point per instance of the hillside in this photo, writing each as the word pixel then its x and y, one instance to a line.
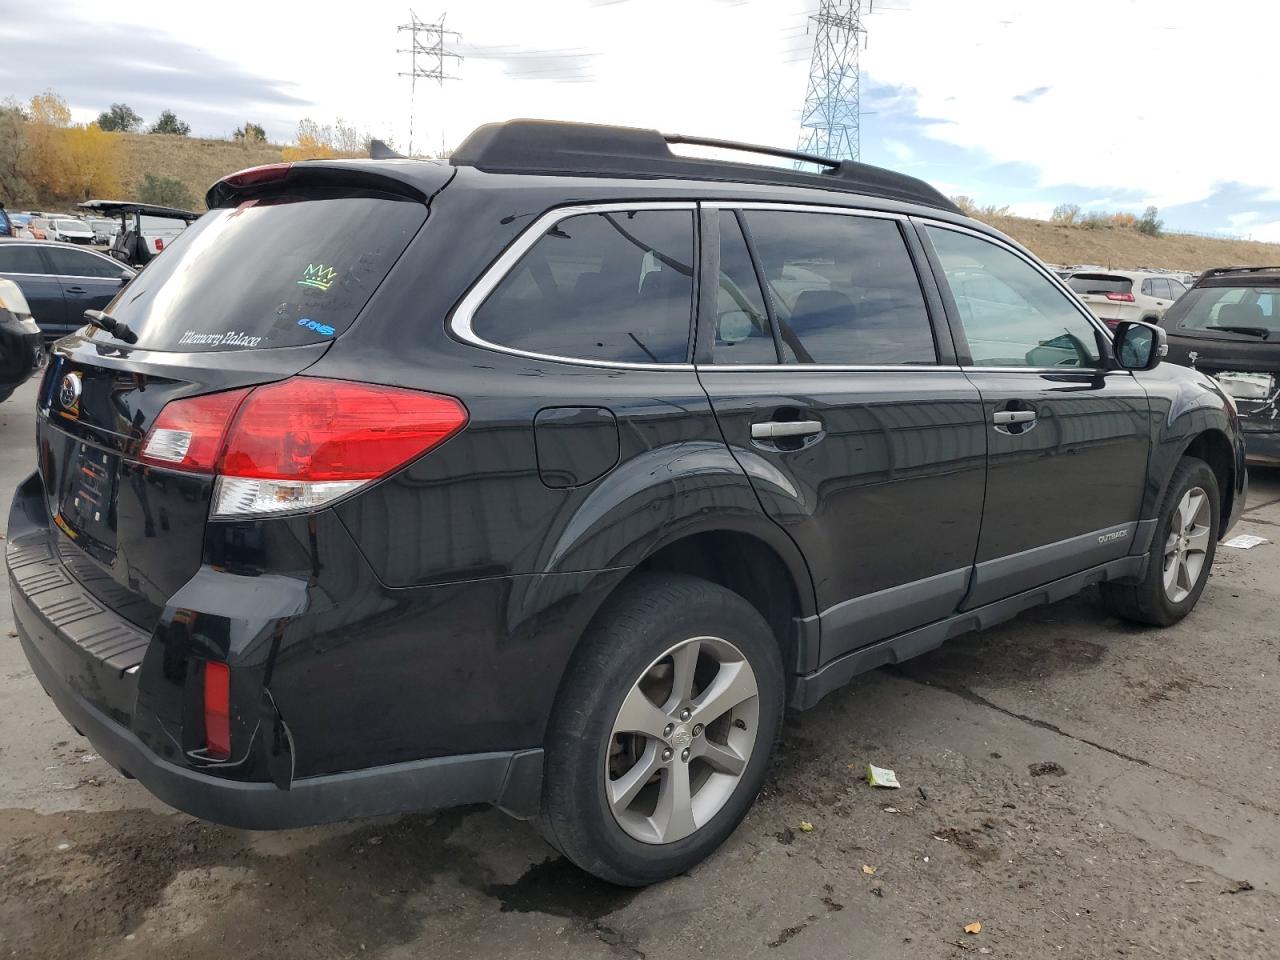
pixel 1120 248
pixel 196 162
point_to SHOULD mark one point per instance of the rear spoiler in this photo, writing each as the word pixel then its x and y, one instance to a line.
pixel 351 174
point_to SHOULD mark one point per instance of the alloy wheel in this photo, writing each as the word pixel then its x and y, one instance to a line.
pixel 1187 547
pixel 682 740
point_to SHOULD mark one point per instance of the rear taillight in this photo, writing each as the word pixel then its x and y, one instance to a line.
pixel 298 444
pixel 217 710
pixel 1122 297
pixel 159 244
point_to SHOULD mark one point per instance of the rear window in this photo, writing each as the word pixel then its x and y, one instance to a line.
pixel 1099 283
pixel 1249 311
pixel 614 286
pixel 272 272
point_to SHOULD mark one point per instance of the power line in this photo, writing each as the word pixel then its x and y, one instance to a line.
pixel 830 122
pixel 427 53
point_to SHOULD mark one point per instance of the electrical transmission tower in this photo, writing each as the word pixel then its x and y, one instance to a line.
pixel 831 120
pixel 428 54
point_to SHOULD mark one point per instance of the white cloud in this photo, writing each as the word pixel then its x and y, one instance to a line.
pixel 1033 209
pixel 898 150
pixel 1138 96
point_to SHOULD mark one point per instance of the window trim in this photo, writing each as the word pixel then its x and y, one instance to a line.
pixel 459 323
pixel 48 261
pixel 1107 361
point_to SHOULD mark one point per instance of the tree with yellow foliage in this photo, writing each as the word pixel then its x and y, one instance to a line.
pixel 66 161
pixel 92 167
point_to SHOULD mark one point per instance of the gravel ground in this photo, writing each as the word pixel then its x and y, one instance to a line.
pixel 1079 786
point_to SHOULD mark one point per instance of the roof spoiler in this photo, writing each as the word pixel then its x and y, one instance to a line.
pixel 551 147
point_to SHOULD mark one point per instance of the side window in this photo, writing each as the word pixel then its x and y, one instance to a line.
pixel 742 332
pixel 76 263
pixel 600 286
pixel 19 258
pixel 1161 288
pixel 1176 289
pixel 843 289
pixel 1012 315
pixel 1149 288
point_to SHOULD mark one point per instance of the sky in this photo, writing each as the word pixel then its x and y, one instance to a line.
pixel 1108 104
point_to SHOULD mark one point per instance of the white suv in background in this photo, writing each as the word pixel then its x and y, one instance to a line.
pixel 1115 295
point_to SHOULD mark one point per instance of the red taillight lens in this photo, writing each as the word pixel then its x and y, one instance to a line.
pixel 322 430
pixel 217 710
pixel 252 176
pixel 1122 297
pixel 298 444
pixel 188 433
pixel 159 244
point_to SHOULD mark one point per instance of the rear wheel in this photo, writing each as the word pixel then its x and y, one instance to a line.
pixel 662 730
pixel 1181 554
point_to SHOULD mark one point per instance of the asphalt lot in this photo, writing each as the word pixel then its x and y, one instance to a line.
pixel 1157 833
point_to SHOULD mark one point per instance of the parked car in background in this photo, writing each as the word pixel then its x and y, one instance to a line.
pixel 40 228
pixel 104 230
pixel 145 229
pixel 20 226
pixel 1228 325
pixel 61 282
pixel 1116 295
pixel 21 344
pixel 70 231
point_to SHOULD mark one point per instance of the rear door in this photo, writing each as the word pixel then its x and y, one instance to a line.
pixel 24 264
pixel 861 436
pixel 1067 439
pixel 89 282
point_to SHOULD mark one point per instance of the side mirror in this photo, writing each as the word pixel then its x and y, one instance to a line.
pixel 733 326
pixel 1139 346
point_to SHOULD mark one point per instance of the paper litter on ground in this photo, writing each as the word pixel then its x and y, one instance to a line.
pixel 1245 541
pixel 882 777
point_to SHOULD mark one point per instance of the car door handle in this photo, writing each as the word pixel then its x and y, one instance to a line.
pixel 776 429
pixel 75 289
pixel 1005 417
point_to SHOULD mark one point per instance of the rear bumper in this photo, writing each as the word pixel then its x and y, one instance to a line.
pixel 509 780
pixel 89 660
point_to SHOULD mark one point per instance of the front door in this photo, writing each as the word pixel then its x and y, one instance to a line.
pixel 89 281
pixel 1067 438
pixel 862 438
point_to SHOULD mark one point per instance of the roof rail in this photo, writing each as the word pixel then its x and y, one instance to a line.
pixel 587 149
pixel 1222 271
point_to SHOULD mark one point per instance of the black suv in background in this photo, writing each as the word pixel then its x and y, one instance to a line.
pixel 547 476
pixel 1224 327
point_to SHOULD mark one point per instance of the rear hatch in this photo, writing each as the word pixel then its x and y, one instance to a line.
pixel 1108 296
pixel 253 292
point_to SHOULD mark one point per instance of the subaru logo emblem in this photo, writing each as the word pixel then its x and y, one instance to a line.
pixel 69 391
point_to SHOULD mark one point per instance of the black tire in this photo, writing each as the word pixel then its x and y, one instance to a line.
pixel 647 617
pixel 1147 601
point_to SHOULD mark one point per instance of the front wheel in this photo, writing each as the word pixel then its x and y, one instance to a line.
pixel 1181 554
pixel 662 730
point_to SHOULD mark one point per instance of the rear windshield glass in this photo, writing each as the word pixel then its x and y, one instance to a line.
pixel 1099 283
pixel 1247 311
pixel 273 272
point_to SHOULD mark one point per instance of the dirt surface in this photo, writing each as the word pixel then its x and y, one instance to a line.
pixel 1080 787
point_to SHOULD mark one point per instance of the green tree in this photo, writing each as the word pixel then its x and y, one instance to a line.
pixel 165 192
pixel 119 119
pixel 1150 222
pixel 250 133
pixel 13 144
pixel 169 123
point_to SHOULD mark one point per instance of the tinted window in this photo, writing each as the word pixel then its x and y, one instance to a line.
pixel 273 272
pixel 1176 289
pixel 843 288
pixel 600 286
pixel 1149 288
pixel 16 258
pixel 742 333
pixel 1012 314
pixel 76 263
pixel 1099 283
pixel 1249 310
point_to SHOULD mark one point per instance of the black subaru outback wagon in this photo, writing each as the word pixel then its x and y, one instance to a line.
pixel 548 476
